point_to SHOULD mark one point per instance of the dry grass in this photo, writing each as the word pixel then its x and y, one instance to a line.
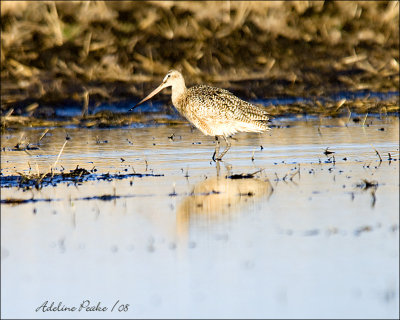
pixel 95 50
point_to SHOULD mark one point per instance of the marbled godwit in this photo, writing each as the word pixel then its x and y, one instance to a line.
pixel 214 111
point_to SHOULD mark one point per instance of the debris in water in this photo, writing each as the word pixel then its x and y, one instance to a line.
pixel 365 184
pixel 51 179
pixel 243 175
pixel 328 152
pixel 16 201
pixel 312 232
pixel 360 230
pixel 380 158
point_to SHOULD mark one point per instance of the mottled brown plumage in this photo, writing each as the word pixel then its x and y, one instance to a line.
pixel 217 112
pixel 214 111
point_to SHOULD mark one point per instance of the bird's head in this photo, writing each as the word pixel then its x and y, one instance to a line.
pixel 173 77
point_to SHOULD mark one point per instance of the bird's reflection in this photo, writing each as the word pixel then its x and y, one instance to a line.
pixel 218 198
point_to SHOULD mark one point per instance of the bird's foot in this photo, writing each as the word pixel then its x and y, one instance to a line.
pixel 215 159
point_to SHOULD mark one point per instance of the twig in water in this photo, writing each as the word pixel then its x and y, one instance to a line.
pixel 365 119
pixel 59 154
pixel 349 117
pixel 373 196
pixel 43 134
pixel 26 151
pixel 31 108
pixel 85 103
pixel 173 193
pixel 339 104
pixel 297 172
pixel 55 162
pixel 9 113
pixel 380 158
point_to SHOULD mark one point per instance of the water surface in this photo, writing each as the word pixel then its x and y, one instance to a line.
pixel 305 238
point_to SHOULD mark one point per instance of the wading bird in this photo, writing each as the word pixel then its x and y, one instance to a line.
pixel 214 111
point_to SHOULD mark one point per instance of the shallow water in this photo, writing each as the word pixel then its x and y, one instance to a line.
pixel 152 107
pixel 301 239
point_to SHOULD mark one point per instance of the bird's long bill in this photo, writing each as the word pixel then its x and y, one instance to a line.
pixel 152 94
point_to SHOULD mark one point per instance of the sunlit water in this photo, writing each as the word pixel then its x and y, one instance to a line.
pixel 299 240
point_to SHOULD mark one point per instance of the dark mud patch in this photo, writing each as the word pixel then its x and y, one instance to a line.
pixel 241 176
pixel 78 175
pixel 110 197
pixel 20 147
pixel 104 197
pixel 17 201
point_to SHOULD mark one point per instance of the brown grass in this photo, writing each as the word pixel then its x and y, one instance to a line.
pixel 96 51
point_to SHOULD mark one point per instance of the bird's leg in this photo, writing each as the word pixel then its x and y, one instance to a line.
pixel 218 168
pixel 216 151
pixel 228 146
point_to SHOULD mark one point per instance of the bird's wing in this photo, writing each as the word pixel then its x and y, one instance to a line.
pixel 221 102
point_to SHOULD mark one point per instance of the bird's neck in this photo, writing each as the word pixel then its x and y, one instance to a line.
pixel 178 91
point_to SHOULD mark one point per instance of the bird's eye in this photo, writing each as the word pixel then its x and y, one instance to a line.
pixel 166 77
